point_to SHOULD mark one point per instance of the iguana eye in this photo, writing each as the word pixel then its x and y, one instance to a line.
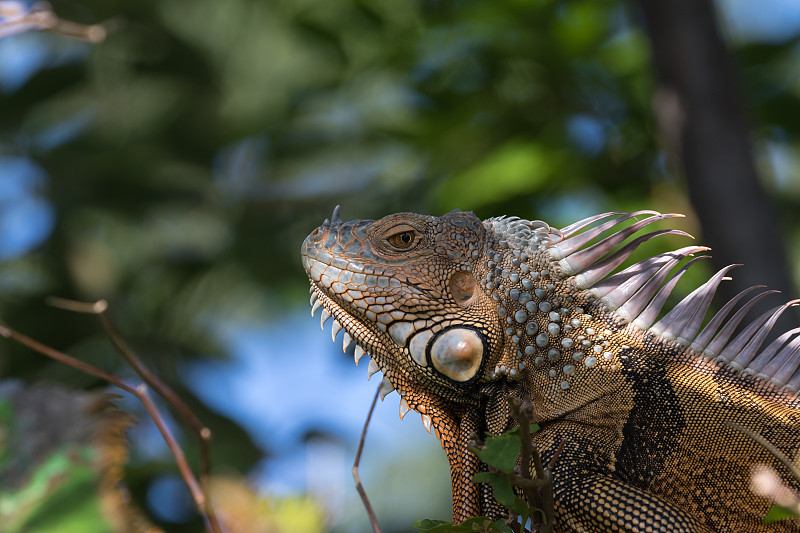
pixel 403 238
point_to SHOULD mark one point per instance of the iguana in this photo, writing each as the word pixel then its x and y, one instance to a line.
pixel 458 313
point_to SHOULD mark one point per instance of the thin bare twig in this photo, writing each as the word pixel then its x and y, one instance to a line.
pixel 376 528
pixel 141 393
pixel 100 308
pixel 553 459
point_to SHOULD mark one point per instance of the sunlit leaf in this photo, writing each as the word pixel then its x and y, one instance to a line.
pixel 60 466
pixel 241 509
pixel 59 495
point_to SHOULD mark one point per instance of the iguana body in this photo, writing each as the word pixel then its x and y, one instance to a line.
pixel 458 313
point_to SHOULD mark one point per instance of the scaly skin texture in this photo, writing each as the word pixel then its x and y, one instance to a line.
pixel 459 313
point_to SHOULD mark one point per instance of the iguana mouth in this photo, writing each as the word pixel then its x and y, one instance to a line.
pixel 328 292
pixel 355 331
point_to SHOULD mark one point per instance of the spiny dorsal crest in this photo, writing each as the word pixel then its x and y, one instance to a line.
pixel 637 294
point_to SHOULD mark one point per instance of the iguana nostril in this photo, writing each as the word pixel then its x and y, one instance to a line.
pixel 315 236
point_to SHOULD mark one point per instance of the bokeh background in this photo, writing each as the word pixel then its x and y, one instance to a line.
pixel 175 168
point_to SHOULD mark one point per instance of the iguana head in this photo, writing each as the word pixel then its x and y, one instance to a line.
pixel 406 289
pixel 452 309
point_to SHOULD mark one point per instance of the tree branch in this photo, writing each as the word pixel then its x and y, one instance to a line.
pixel 539 491
pixel 100 308
pixel 140 392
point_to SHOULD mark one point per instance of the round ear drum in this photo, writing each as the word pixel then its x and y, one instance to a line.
pixel 457 353
pixel 463 288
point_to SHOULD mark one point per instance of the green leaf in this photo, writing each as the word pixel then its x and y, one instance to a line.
pixel 518 504
pixel 501 452
pixel 777 513
pixel 501 486
pixel 481 477
pixel 521 508
pixel 499 526
pixel 60 496
pixel 503 492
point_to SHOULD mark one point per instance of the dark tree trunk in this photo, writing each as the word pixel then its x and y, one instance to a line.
pixel 702 117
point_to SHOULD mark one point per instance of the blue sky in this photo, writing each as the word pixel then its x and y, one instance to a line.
pixel 765 20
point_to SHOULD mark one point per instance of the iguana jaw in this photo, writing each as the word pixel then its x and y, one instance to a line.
pixel 356 331
pixel 369 341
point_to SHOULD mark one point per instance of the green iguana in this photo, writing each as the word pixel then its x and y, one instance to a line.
pixel 457 313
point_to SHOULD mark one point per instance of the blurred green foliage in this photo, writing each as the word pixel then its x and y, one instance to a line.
pixel 57 448
pixel 187 156
pixel 60 496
